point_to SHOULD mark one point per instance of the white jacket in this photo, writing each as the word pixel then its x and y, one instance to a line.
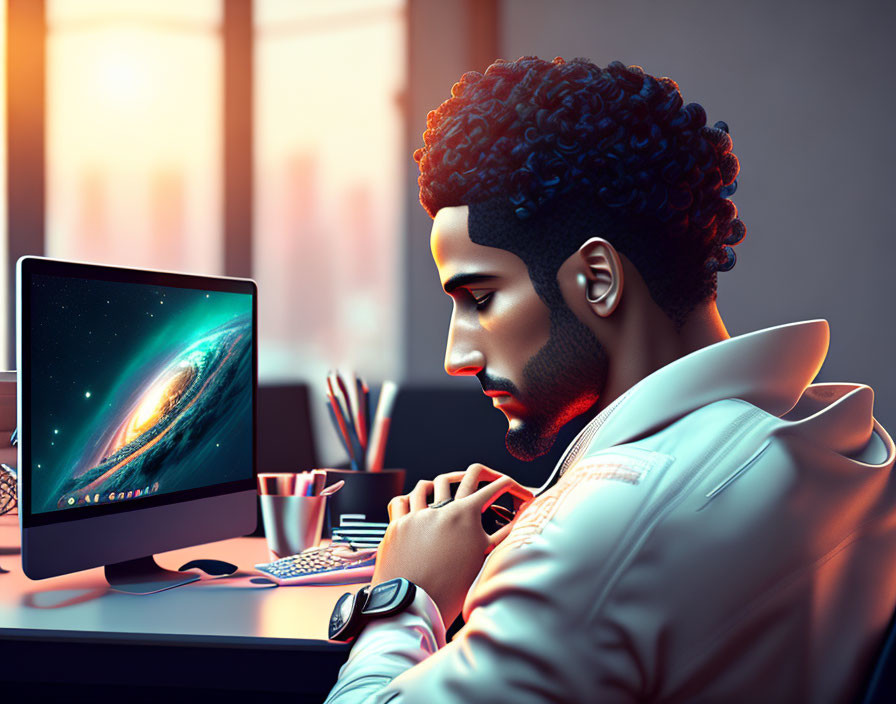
pixel 724 532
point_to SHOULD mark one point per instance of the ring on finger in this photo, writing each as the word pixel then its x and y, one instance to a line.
pixel 439 504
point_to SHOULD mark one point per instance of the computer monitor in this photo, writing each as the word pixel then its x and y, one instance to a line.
pixel 136 416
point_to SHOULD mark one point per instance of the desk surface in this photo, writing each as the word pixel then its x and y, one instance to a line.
pixel 225 613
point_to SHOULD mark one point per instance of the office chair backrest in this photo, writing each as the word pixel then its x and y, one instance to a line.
pixel 436 430
pixel 285 438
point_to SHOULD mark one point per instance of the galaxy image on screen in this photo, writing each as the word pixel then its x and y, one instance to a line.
pixel 136 390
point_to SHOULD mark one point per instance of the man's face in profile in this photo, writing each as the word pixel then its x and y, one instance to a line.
pixel 541 367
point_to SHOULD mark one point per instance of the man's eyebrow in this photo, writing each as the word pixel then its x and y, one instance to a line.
pixel 459 280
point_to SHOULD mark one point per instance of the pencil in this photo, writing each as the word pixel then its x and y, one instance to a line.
pixel 348 416
pixel 361 411
pixel 376 449
pixel 343 429
pixel 342 438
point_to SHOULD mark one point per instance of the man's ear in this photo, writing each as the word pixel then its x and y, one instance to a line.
pixel 600 276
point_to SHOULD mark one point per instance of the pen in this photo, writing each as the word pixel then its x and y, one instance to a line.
pixel 342 438
pixel 376 449
pixel 340 421
pixel 361 411
pixel 320 478
pixel 333 488
pixel 346 397
pixel 367 418
pixel 303 483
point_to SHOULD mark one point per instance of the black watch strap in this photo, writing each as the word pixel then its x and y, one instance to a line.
pixel 346 620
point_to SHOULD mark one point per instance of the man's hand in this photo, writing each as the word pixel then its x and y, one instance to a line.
pixel 442 549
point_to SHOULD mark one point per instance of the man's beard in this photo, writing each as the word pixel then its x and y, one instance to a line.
pixel 563 380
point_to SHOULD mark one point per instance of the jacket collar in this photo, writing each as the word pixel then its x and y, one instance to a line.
pixel 768 368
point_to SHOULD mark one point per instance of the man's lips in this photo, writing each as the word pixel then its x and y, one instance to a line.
pixel 504 400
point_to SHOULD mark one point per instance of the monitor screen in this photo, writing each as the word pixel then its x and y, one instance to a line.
pixel 138 392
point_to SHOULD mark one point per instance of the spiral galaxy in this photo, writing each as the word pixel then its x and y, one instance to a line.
pixel 173 424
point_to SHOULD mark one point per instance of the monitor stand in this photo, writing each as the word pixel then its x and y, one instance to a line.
pixel 144 576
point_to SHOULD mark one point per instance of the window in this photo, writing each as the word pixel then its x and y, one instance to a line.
pixel 328 185
pixel 134 133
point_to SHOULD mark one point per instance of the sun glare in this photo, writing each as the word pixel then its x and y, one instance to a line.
pixel 124 78
pixel 134 134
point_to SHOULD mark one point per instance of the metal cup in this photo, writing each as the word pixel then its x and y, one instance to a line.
pixel 292 523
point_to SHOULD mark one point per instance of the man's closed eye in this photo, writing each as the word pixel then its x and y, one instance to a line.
pixel 481 299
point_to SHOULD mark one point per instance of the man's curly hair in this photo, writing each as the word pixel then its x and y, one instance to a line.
pixel 562 151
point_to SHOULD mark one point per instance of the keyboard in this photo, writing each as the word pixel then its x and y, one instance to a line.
pixel 337 563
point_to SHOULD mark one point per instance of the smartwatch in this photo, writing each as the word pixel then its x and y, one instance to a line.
pixel 353 611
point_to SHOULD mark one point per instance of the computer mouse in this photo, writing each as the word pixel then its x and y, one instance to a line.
pixel 496 517
pixel 216 568
pixel 263 581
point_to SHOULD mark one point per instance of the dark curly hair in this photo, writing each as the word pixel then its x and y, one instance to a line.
pixel 556 152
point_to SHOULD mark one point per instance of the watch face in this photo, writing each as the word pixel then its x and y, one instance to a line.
pixel 382 595
pixel 389 598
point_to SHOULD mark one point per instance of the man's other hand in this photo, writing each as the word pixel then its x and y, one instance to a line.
pixel 441 550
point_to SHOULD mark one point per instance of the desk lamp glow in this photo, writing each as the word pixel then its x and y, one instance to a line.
pixel 136 416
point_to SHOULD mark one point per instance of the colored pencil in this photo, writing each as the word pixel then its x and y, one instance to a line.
pixel 376 449
pixel 349 406
pixel 340 415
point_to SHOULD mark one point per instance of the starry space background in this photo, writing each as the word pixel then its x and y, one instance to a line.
pixel 94 345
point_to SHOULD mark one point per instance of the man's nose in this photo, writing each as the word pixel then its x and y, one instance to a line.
pixel 462 356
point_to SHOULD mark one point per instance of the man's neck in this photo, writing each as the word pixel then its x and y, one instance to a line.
pixel 654 342
pixel 703 327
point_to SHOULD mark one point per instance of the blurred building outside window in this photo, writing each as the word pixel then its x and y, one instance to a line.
pixel 329 182
pixel 134 133
pixel 134 159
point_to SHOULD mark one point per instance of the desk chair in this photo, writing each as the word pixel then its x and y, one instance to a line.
pixel 443 429
pixel 285 437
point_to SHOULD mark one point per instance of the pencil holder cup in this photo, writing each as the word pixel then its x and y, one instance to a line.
pixel 365 496
pixel 291 523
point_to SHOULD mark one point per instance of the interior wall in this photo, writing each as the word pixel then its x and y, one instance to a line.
pixel 445 39
pixel 805 88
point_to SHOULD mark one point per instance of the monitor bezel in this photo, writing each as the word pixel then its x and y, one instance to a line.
pixel 31 265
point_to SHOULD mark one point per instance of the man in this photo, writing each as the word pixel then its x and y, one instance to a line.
pixel 722 530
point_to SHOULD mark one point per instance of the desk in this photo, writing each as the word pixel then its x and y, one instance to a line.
pixel 225 637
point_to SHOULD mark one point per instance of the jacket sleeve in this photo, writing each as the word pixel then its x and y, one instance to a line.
pixel 531 633
pixel 386 648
